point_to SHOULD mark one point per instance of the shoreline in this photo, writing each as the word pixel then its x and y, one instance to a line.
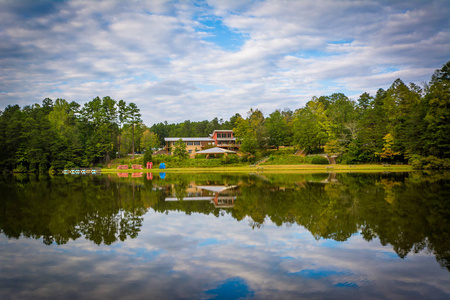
pixel 274 169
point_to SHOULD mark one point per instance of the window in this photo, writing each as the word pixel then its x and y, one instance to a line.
pixel 190 151
pixel 196 143
pixel 229 135
pixel 190 143
pixel 219 135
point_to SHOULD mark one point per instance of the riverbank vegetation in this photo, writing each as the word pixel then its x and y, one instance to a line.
pixel 279 164
pixel 403 124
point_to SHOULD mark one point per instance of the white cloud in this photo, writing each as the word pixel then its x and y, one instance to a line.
pixel 153 52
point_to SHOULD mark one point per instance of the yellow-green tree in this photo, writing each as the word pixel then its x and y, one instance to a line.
pixel 388 153
pixel 149 140
pixel 180 149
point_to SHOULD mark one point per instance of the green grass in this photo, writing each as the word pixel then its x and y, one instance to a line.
pixel 305 168
pixel 286 160
pixel 283 161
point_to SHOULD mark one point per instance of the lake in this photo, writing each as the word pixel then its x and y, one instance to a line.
pixel 215 236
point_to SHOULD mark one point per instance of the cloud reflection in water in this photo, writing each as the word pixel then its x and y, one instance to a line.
pixel 169 239
pixel 191 256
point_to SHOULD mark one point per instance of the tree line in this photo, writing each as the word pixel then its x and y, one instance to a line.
pixel 400 123
pixel 397 124
pixel 59 134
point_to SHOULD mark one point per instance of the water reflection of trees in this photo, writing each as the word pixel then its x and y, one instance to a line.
pixel 408 211
pixel 411 212
pixel 65 208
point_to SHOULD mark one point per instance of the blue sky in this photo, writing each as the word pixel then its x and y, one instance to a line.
pixel 196 60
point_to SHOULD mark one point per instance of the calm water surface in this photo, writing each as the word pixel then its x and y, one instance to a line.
pixel 194 236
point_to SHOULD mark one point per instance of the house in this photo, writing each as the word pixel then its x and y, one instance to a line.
pixel 220 195
pixel 219 138
pixel 192 144
pixel 225 139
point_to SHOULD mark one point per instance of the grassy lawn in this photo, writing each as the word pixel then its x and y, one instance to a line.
pixel 282 161
pixel 276 168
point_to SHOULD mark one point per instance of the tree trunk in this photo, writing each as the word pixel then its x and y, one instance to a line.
pixel 132 148
pixel 118 144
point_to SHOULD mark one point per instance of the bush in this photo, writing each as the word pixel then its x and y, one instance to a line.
pixel 20 169
pixel 233 159
pixel 147 157
pixel 285 159
pixel 416 162
pixel 429 163
pixel 69 165
pixel 225 160
pixel 319 160
pixel 347 159
pixel 43 167
pixel 243 158
pixel 434 163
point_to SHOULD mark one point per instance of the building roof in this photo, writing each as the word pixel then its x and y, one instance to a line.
pixel 189 139
pixel 189 198
pixel 216 188
pixel 222 131
pixel 215 150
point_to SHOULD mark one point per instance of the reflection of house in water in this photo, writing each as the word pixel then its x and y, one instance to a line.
pixel 332 178
pixel 220 195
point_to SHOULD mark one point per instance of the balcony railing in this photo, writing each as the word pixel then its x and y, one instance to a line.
pixel 228 145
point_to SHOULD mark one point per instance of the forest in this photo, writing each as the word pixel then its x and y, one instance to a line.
pixel 405 123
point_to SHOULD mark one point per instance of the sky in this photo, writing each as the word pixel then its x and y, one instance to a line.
pixel 196 60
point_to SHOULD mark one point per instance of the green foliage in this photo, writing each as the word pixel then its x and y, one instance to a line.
pixel 149 140
pixel 308 127
pixel 200 161
pixel 429 163
pixel 388 153
pixel 69 165
pixel 58 134
pixel 20 169
pixel 180 150
pixel 285 159
pixel 147 157
pixel 277 129
pixel 319 160
pixel 252 132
